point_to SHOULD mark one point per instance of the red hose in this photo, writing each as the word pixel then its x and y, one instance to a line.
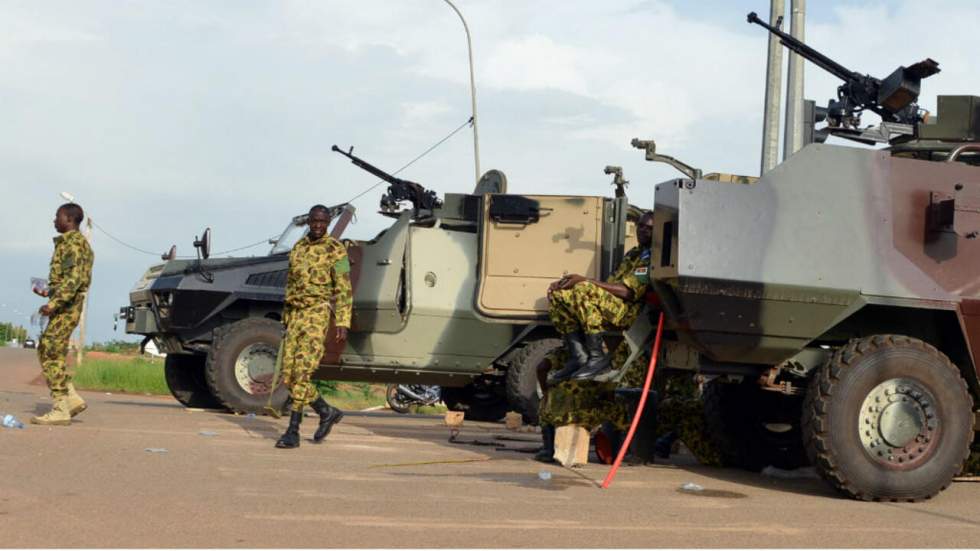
pixel 639 408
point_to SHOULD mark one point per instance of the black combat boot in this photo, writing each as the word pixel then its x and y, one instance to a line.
pixel 575 347
pixel 664 444
pixel 329 416
pixel 290 439
pixel 547 452
pixel 597 362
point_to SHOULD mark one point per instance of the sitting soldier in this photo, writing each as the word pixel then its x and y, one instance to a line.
pixel 582 308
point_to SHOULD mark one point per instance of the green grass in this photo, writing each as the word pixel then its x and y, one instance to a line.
pixel 135 375
pixel 353 396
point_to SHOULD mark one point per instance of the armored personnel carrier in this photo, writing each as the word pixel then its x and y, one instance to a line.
pixel 451 294
pixel 834 302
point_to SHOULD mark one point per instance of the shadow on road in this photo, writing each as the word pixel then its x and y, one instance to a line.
pixel 562 480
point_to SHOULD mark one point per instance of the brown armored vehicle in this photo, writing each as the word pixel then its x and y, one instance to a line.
pixel 834 303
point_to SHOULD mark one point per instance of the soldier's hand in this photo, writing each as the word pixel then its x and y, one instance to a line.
pixel 555 285
pixel 571 280
pixel 40 292
pixel 45 310
pixel 341 334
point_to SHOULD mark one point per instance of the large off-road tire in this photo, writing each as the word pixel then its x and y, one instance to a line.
pixel 752 428
pixel 241 363
pixel 479 402
pixel 184 374
pixel 888 418
pixel 523 388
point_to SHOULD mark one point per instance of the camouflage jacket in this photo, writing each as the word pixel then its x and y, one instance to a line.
pixel 71 270
pixel 634 273
pixel 318 273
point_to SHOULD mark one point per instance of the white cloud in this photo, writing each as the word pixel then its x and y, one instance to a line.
pixel 165 117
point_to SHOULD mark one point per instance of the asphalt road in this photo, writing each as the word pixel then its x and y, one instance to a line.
pixel 385 480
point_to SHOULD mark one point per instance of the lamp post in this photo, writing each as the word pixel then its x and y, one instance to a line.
pixel 469 48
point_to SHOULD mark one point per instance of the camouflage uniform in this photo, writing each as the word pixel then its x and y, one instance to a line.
pixel 588 307
pixel 589 404
pixel 68 281
pixel 319 272
pixel 682 413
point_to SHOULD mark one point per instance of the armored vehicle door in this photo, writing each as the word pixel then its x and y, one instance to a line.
pixel 528 241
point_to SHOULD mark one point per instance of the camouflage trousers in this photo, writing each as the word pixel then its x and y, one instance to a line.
pixel 590 404
pixel 682 413
pixel 301 352
pixel 590 308
pixel 53 346
pixel 587 403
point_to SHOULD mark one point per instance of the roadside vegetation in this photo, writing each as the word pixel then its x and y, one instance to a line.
pixel 10 332
pixel 121 373
pixel 116 366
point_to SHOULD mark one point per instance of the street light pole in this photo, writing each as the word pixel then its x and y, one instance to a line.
pixel 469 48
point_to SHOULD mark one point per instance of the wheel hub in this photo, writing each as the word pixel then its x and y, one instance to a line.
pixel 255 367
pixel 898 423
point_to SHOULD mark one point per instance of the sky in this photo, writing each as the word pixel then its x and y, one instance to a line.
pixel 163 118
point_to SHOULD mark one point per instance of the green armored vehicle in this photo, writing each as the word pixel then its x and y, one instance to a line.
pixel 452 293
pixel 833 304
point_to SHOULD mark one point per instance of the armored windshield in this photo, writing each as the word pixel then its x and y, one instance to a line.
pixel 295 231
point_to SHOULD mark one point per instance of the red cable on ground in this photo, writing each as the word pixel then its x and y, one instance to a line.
pixel 639 408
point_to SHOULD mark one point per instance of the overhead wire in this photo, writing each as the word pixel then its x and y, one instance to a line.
pixel 468 122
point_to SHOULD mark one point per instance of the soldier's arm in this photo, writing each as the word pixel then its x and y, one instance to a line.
pixel 293 285
pixel 618 290
pixel 343 293
pixel 72 273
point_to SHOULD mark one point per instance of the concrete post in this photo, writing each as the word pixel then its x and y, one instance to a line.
pixel 774 92
pixel 793 137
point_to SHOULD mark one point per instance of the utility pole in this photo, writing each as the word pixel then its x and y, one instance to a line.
pixel 774 89
pixel 469 49
pixel 793 137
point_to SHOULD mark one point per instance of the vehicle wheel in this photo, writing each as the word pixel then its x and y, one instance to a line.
pixel 888 418
pixel 241 364
pixel 753 428
pixel 479 402
pixel 184 374
pixel 396 401
pixel 523 389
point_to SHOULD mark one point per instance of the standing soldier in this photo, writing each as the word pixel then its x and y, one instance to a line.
pixel 318 273
pixel 68 281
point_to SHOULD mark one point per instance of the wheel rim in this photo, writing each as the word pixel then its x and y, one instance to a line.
pixel 898 424
pixel 255 367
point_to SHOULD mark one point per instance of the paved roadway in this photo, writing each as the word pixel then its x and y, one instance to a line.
pixel 384 480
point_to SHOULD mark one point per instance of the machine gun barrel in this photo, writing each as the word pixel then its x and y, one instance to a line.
pixel 399 190
pixel 809 53
pixel 362 164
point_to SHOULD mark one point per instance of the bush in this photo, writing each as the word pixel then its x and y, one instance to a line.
pixel 115 347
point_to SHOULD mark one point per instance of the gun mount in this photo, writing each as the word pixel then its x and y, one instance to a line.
pixel 618 180
pixel 650 148
pixel 893 99
pixel 399 190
